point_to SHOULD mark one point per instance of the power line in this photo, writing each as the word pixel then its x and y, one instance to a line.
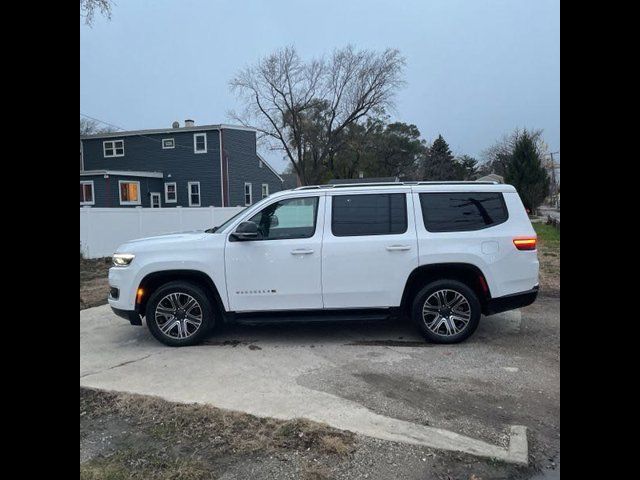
pixel 134 135
pixel 551 165
pixel 102 121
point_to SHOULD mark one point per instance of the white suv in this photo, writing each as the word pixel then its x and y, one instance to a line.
pixel 441 253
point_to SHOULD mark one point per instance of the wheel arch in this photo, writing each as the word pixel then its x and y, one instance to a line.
pixel 152 281
pixel 466 273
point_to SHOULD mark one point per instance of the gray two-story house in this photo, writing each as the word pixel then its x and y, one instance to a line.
pixel 190 166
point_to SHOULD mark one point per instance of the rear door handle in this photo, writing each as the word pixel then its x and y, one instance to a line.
pixel 301 251
pixel 393 248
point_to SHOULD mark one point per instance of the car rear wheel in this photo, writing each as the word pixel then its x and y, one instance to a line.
pixel 447 311
pixel 179 314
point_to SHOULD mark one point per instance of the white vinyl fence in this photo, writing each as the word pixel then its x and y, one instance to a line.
pixel 102 230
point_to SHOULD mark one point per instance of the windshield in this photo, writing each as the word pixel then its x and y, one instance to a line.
pixel 219 228
pixel 222 227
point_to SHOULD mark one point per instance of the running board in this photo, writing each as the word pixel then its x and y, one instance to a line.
pixel 303 316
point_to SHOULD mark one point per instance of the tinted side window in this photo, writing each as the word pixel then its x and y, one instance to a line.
pixel 293 218
pixel 457 212
pixel 376 214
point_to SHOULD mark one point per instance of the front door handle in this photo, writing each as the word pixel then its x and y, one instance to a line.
pixel 393 248
pixel 301 251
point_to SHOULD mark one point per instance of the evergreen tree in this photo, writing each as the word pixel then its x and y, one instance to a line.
pixel 467 167
pixel 524 170
pixel 439 163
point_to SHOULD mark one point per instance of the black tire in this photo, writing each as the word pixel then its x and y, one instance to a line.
pixel 442 334
pixel 183 289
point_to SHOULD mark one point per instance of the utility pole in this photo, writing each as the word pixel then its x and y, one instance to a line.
pixel 552 165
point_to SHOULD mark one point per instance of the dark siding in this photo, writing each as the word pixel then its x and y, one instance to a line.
pixel 105 190
pixel 180 165
pixel 240 147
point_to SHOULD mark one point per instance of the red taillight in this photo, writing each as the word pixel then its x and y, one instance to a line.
pixel 525 243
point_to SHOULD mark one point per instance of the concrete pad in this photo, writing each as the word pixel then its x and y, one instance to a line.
pixel 259 375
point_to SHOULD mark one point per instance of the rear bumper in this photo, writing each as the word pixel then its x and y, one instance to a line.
pixel 131 315
pixel 510 302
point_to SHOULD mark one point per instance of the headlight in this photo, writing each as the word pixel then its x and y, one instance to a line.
pixel 122 259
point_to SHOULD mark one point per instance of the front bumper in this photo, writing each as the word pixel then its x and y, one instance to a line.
pixel 510 302
pixel 124 282
pixel 131 315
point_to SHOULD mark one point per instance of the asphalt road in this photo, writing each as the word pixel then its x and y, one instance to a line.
pixel 551 212
pixel 378 379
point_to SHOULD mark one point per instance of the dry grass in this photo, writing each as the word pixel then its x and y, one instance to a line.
pixel 231 430
pixel 164 431
pixel 335 444
pixel 94 284
pixel 134 464
pixel 549 257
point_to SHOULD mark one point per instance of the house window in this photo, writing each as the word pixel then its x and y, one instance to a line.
pixel 265 190
pixel 113 148
pixel 155 200
pixel 168 143
pixel 170 192
pixel 199 143
pixel 194 194
pixel 86 193
pixel 247 194
pixel 129 192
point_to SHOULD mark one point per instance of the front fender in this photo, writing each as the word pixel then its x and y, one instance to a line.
pixel 128 279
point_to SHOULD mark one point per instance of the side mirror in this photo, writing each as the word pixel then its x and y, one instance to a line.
pixel 274 221
pixel 246 231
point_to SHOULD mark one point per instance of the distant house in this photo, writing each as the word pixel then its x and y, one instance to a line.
pixel 337 181
pixel 492 177
pixel 192 166
pixel 290 180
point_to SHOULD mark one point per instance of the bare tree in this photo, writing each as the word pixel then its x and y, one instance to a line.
pixel 88 9
pixel 304 108
pixel 89 126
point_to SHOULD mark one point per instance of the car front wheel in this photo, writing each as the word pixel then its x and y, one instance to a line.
pixel 447 311
pixel 179 314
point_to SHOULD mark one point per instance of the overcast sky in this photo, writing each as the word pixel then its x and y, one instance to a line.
pixel 475 69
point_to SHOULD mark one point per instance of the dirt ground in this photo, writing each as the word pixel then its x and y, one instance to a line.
pixel 549 257
pixel 94 284
pixel 125 436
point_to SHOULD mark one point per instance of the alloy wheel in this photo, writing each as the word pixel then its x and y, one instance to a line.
pixel 178 315
pixel 446 312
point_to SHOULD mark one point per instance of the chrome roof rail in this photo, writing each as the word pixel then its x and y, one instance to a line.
pixel 391 184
